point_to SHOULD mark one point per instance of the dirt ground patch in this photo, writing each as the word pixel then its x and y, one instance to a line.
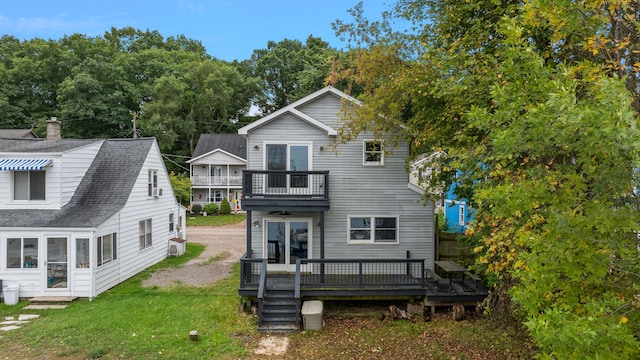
pixel 226 243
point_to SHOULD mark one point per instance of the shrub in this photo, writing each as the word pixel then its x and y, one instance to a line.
pixel 211 209
pixel 225 208
pixel 196 208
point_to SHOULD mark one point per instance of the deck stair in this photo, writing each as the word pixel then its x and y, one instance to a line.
pixel 279 309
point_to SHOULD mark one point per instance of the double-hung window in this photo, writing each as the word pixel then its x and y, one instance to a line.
pixel 373 229
pixel 22 253
pixel 107 250
pixel 145 234
pixel 171 221
pixel 153 183
pixel 29 185
pixel 373 153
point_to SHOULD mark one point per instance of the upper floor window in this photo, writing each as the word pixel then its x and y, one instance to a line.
pixel 29 185
pixel 145 234
pixel 373 229
pixel 373 153
pixel 153 183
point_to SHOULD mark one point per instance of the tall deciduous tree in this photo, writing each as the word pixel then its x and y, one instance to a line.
pixel 290 70
pixel 529 102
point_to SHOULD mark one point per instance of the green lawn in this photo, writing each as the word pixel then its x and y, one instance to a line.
pixel 215 220
pixel 132 322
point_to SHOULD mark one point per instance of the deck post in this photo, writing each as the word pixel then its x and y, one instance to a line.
pixel 322 245
pixel 249 255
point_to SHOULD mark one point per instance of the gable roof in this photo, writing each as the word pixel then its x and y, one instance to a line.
pixel 293 109
pixel 104 189
pixel 18 134
pixel 229 143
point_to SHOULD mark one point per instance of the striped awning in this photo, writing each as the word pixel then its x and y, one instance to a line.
pixel 23 164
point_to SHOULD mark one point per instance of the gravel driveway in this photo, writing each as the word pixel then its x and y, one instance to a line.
pixel 227 242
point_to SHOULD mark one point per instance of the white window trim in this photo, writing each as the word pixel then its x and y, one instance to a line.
pixel 152 183
pixel 461 214
pixel 147 231
pixel 289 144
pixel 5 252
pixel 29 200
pixel 364 153
pixel 100 261
pixel 372 229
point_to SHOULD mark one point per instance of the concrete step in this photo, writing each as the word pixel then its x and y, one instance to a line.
pixel 52 300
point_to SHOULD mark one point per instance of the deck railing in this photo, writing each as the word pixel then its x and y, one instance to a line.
pixel 342 273
pixel 262 183
pixel 360 273
pixel 250 270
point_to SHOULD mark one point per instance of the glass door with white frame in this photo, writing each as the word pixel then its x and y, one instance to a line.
pixel 57 263
pixel 286 241
pixel 288 157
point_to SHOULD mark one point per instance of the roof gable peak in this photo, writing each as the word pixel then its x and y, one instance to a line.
pixel 293 109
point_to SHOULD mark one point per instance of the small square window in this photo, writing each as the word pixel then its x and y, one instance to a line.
pixel 373 153
pixel 29 185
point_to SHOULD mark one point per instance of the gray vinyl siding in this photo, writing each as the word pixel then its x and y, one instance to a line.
pixel 355 189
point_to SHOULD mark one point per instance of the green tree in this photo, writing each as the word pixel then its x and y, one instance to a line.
pixel 181 185
pixel 544 134
pixel 290 70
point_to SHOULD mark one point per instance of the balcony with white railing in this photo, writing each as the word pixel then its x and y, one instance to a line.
pixel 216 181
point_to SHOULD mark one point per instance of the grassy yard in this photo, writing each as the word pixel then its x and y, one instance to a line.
pixel 132 322
pixel 215 220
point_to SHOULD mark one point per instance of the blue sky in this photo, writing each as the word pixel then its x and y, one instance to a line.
pixel 229 30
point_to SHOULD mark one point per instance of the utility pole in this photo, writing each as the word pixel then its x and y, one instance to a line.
pixel 134 116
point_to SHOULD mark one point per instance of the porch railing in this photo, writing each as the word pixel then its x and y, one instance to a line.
pixel 203 180
pixel 360 273
pixel 342 273
pixel 263 183
pixel 250 270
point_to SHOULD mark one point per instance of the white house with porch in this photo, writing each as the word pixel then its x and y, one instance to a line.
pixel 216 169
pixel 79 216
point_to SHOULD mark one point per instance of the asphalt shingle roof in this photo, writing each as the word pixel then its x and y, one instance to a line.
pixel 231 143
pixel 17 133
pixel 103 191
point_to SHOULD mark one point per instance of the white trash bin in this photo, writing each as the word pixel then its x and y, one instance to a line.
pixel 11 295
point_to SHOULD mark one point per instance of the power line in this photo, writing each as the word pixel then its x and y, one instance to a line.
pixel 175 163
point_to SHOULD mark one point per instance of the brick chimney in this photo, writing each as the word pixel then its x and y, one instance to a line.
pixel 53 129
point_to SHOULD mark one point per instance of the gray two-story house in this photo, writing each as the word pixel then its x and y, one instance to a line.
pixel 327 219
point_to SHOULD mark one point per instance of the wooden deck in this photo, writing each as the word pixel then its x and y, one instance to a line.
pixel 434 290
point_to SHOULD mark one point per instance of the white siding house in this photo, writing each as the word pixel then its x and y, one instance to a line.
pixel 77 217
pixel 216 169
